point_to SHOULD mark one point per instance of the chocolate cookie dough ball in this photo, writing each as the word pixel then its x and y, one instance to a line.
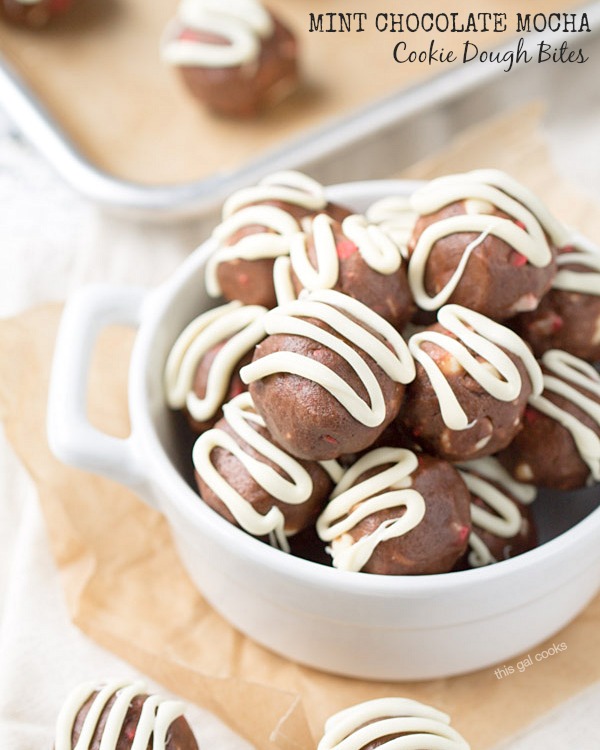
pixel 258 224
pixel 503 526
pixel 33 13
pixel 236 58
pixel 330 376
pixel 559 445
pixel 356 258
pixel 379 722
pixel 202 369
pixel 473 379
pixel 482 241
pixel 251 481
pixel 396 512
pixel 119 716
pixel 568 317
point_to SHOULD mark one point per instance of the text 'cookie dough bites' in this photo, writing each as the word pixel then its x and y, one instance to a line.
pixel 482 241
pixel 257 225
pixel 473 379
pixel 559 445
pixel 396 512
pixel 503 526
pixel 237 58
pixel 252 482
pixel 329 377
pixel 121 716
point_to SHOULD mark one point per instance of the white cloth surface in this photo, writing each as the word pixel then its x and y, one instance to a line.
pixel 52 243
pixel 42 655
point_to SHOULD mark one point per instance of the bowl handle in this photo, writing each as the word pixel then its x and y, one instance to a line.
pixel 72 438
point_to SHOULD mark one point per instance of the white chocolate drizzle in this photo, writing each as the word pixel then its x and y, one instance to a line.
pixel 240 327
pixel 585 254
pixel 287 186
pixel 339 312
pixel 282 281
pixel 497 375
pixel 396 217
pixel 326 274
pixel 351 503
pixel 376 248
pixel 482 477
pixel 156 716
pixel 482 191
pixel 569 371
pixel 293 489
pixel 242 23
pixel 243 209
pixel 423 727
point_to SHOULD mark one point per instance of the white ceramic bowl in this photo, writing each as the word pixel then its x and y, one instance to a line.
pixel 370 626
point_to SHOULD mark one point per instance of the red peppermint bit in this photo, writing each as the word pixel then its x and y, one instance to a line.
pixel 531 415
pixel 517 259
pixel 417 431
pixel 557 323
pixel 243 278
pixel 330 439
pixel 567 249
pixel 520 224
pixel 236 387
pixel 130 732
pixel 346 248
pixel 188 35
pixel 463 533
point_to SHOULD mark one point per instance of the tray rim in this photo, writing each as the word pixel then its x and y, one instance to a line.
pixel 199 197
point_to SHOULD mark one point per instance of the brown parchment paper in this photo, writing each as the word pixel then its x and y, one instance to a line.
pixel 98 71
pixel 127 590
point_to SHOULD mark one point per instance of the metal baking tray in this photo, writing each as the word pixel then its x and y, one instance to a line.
pixel 376 141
